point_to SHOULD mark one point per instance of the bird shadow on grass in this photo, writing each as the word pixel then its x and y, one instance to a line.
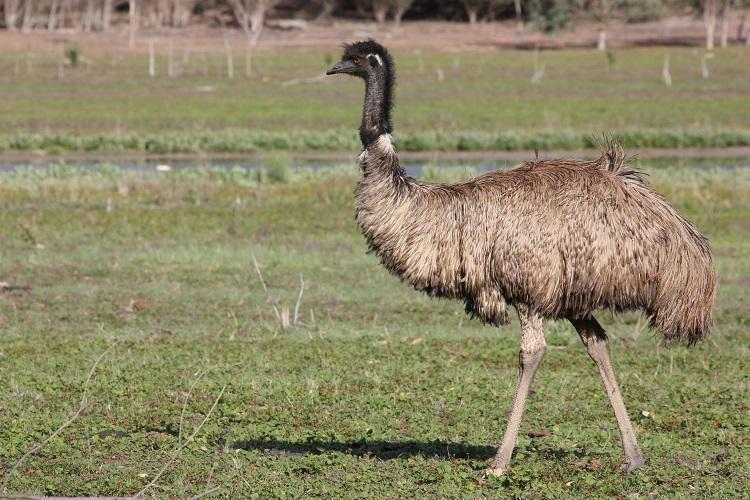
pixel 384 450
pixel 388 450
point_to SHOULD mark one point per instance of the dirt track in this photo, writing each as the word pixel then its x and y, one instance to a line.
pixel 415 35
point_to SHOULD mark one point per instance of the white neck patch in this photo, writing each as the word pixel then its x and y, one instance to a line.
pixel 385 143
pixel 377 58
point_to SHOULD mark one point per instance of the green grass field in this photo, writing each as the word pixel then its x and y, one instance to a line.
pixel 376 391
pixel 485 101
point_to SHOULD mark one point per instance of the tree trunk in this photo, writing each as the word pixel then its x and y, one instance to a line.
pixel 10 11
pixel 519 14
pixel 106 15
pixel 243 19
pixel 28 16
pixel 604 17
pixel 602 42
pixel 398 14
pixel 725 15
pixel 257 17
pixel 327 9
pixel 252 40
pixel 96 23
pixel 133 22
pixel 88 19
pixel 380 10
pixel 741 27
pixel 52 18
pixel 472 12
pixel 230 57
pixel 709 20
pixel 65 10
pixel 183 9
pixel 157 14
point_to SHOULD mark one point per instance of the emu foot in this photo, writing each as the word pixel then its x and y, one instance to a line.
pixel 632 464
pixel 494 471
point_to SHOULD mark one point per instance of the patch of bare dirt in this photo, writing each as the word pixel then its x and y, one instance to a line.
pixel 437 35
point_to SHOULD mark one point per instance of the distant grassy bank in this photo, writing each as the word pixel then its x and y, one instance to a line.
pixel 444 101
pixel 238 141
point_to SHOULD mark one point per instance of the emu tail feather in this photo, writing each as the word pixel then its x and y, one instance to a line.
pixel 682 310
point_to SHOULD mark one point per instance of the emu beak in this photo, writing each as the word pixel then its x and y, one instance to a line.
pixel 341 67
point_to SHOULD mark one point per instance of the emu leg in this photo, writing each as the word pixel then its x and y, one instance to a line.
pixel 597 345
pixel 532 352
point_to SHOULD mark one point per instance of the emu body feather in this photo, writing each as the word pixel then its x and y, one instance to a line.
pixel 564 237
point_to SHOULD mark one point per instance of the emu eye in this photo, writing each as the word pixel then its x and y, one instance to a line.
pixel 355 60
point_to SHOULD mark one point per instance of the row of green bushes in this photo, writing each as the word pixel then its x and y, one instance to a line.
pixel 242 141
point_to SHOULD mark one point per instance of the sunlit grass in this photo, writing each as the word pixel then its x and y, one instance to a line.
pixel 486 101
pixel 377 390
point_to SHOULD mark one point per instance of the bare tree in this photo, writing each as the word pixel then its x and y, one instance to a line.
pixel 174 13
pixel 106 15
pixel 472 8
pixel 156 11
pixel 29 15
pixel 52 17
pixel 132 21
pixel 603 14
pixel 709 20
pixel 66 12
pixel 251 13
pixel 399 9
pixel 726 8
pixel 380 9
pixel 327 7
pixel 88 16
pixel 519 14
pixel 10 12
pixel 181 11
pixel 741 29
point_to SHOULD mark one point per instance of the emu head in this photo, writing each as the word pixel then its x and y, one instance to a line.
pixel 371 61
pixel 365 59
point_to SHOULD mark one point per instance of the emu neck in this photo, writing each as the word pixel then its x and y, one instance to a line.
pixel 376 115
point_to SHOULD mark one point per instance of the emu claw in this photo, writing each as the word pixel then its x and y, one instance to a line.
pixel 632 464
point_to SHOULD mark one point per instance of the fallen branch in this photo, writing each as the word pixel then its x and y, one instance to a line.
pixel 59 430
pixel 24 496
pixel 7 287
pixel 182 446
pixel 198 377
pixel 205 493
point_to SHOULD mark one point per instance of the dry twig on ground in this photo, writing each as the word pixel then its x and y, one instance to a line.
pixel 182 446
pixel 82 406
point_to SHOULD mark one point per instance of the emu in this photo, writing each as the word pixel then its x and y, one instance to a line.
pixel 555 239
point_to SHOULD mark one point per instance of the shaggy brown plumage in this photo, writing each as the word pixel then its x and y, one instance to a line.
pixel 564 237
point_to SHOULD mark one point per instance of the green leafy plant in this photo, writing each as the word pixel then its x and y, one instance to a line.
pixel 73 55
